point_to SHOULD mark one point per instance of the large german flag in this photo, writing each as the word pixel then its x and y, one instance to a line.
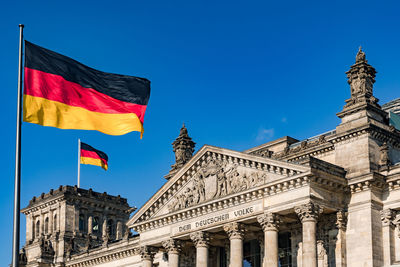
pixel 92 156
pixel 63 93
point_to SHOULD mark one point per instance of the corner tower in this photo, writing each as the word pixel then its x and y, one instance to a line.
pixel 71 220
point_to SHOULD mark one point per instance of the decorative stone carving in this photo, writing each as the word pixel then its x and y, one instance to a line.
pixel 384 159
pixel 387 216
pixel 183 147
pixel 341 220
pixel 234 230
pixel 46 249
pixel 361 78
pixel 22 257
pixel 308 212
pixel 215 179
pixel 322 255
pixel 146 253
pixel 269 221
pixel 200 239
pixel 172 245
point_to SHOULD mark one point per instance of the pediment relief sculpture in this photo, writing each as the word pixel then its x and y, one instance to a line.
pixel 216 179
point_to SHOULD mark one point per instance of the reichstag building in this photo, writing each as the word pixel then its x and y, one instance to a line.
pixel 329 200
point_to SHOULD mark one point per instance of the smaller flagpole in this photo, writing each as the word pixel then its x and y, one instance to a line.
pixel 79 163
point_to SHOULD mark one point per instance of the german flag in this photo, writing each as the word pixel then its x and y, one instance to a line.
pixel 63 93
pixel 92 156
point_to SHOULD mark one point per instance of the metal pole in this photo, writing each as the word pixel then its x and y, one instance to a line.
pixel 17 182
pixel 79 163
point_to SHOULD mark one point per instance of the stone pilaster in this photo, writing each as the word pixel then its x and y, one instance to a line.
pixel 202 242
pixel 387 217
pixel 308 215
pixel 270 224
pixel 90 224
pixel 340 248
pixel 173 248
pixel 147 256
pixel 235 232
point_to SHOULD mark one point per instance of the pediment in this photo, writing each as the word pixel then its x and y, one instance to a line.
pixel 213 173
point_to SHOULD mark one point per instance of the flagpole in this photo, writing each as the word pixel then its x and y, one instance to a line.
pixel 79 163
pixel 17 181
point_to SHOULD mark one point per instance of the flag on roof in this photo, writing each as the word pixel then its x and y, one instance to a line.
pixel 92 156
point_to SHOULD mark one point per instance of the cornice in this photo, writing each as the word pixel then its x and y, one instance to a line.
pixel 100 257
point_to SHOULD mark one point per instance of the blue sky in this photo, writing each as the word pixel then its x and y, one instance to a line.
pixel 238 73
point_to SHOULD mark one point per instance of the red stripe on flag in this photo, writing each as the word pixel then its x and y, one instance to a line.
pixel 54 87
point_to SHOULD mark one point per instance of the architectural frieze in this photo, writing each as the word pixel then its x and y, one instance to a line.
pixel 253 194
pixel 211 163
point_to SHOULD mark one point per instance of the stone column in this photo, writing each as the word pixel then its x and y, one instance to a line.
pixel 308 214
pixel 387 236
pixel 235 232
pixel 147 256
pixel 270 224
pixel 202 242
pixel 173 248
pixel 90 225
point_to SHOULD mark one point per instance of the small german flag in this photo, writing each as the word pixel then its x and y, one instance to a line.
pixel 92 156
pixel 63 93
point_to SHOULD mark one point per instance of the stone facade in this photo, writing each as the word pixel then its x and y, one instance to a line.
pixel 330 200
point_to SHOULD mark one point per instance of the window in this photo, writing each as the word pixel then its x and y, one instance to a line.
pixel 285 250
pixel 55 223
pixel 95 225
pixel 110 227
pixel 46 225
pixel 251 254
pixel 37 230
pixel 81 222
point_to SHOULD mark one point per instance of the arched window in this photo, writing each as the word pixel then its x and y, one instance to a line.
pixel 55 223
pixel 95 225
pixel 46 225
pixel 81 222
pixel 37 230
pixel 110 227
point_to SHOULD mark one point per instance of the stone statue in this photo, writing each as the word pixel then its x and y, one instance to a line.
pixel 360 57
pixel 183 147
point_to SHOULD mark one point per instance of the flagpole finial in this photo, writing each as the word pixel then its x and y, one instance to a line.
pixel 21 25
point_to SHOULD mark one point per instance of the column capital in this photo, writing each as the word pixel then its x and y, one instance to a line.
pixel 308 212
pixel 269 221
pixel 387 216
pixel 146 253
pixel 172 245
pixel 234 230
pixel 200 239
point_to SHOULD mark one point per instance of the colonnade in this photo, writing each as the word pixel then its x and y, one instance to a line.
pixel 307 213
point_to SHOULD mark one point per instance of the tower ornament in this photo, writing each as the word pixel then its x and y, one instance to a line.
pixel 183 147
pixel 361 78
